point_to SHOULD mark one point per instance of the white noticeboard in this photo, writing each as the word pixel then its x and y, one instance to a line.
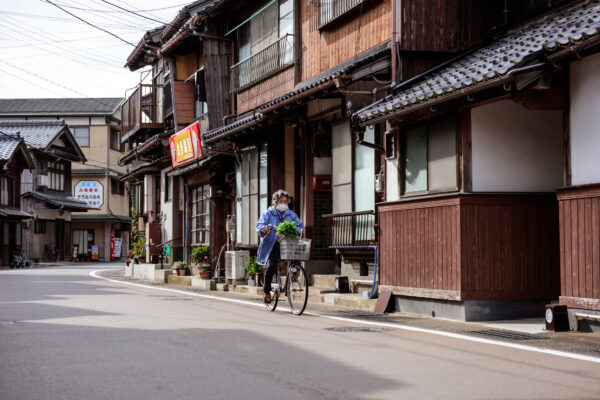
pixel 92 192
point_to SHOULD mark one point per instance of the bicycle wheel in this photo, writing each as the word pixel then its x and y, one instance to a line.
pixel 297 288
pixel 274 294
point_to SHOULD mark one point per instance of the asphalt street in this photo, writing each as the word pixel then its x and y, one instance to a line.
pixel 67 335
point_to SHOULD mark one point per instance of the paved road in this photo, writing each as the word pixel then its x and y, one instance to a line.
pixel 77 337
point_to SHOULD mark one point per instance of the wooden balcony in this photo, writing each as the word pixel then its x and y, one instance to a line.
pixel 268 61
pixel 351 229
pixel 142 110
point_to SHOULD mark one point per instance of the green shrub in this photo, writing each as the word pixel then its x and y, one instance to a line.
pixel 200 255
pixel 253 267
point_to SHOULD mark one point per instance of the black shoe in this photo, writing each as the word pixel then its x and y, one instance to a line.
pixel 267 298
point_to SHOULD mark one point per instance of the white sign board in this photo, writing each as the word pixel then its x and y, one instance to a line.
pixel 92 192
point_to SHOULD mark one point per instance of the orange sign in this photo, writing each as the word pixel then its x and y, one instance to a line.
pixel 185 145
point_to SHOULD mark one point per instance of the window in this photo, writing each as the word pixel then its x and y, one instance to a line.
pixel 168 188
pixel 322 12
pixel 251 193
pixel 430 158
pixel 56 175
pixel 138 199
pixel 82 135
pixel 117 187
pixel 200 224
pixel 39 226
pixel 7 191
pixel 115 139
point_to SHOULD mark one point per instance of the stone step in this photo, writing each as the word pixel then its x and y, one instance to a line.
pixel 324 281
pixel 320 290
pixel 350 300
pixel 180 280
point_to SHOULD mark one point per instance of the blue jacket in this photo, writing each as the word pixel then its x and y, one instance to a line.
pixel 272 217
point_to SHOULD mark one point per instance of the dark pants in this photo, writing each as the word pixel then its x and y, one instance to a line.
pixel 271 267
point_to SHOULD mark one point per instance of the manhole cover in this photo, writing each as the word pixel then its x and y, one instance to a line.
pixel 355 329
pixel 506 335
pixel 6 322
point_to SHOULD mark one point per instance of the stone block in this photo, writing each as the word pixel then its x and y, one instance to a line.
pixel 180 280
pixel 222 287
pixel 203 284
pixel 162 275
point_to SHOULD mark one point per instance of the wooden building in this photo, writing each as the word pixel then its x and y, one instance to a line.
pixel 476 150
pixel 46 189
pixel 14 158
pixel 95 124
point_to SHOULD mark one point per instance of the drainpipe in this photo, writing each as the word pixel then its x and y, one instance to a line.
pixel 394 41
pixel 185 210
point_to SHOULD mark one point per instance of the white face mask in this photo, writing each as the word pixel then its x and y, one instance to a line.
pixel 282 207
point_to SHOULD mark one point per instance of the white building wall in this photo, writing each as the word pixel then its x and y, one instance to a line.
pixel 585 120
pixel 167 209
pixel 516 149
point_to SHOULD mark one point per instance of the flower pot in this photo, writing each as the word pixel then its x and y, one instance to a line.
pixel 142 260
pixel 176 272
pixel 204 274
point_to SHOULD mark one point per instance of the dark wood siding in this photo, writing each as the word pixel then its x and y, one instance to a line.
pixel 267 90
pixel 217 55
pixel 184 103
pixel 579 215
pixel 471 247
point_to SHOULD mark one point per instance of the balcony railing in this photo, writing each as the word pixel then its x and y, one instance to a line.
pixel 350 229
pixel 142 110
pixel 322 12
pixel 268 61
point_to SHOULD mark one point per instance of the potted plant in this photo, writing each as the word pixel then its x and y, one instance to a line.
pixel 253 271
pixel 181 268
pixel 200 257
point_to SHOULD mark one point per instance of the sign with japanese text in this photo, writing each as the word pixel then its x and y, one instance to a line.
pixel 92 192
pixel 185 145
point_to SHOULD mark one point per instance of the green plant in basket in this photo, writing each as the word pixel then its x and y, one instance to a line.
pixel 287 229
pixel 181 265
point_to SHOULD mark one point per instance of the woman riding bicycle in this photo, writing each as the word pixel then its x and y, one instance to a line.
pixel 268 251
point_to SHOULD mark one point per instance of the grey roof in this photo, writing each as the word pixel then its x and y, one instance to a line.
pixel 60 107
pixel 13 213
pixel 8 144
pixel 516 48
pixel 59 199
pixel 37 134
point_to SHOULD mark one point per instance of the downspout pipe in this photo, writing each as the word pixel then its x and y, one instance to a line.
pixel 185 218
pixel 394 42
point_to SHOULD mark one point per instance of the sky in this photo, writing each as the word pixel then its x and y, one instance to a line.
pixel 47 53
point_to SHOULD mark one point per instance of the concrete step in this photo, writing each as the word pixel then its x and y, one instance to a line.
pixel 350 300
pixel 324 281
pixel 320 290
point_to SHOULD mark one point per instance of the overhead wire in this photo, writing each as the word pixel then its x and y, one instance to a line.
pixel 58 19
pixel 31 83
pixel 90 24
pixel 126 19
pixel 118 11
pixel 132 12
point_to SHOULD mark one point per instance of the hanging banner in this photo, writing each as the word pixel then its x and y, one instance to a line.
pixel 185 145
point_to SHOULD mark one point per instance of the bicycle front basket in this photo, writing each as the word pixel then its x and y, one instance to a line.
pixel 295 249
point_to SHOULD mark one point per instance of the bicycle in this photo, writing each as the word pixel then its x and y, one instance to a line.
pixel 293 250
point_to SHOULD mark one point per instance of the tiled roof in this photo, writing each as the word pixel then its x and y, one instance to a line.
pixel 63 107
pixel 347 66
pixel 37 134
pixel 99 217
pixel 514 49
pixel 59 199
pixel 8 144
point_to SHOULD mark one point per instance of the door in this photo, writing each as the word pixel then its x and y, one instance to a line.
pixel 60 238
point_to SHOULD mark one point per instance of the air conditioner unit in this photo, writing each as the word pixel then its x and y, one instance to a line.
pixel 43 180
pixel 235 264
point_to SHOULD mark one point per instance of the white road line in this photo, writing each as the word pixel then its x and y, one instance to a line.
pixel 371 323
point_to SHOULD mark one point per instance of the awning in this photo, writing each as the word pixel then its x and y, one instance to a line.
pixel 100 217
pixel 517 51
pixel 196 165
pixel 17 214
pixel 59 200
pixel 145 167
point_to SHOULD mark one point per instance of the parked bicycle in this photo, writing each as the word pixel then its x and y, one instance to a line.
pixel 293 250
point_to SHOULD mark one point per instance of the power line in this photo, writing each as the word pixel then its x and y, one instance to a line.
pixel 114 18
pixel 90 24
pixel 31 83
pixel 132 12
pixel 120 12
pixel 58 19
